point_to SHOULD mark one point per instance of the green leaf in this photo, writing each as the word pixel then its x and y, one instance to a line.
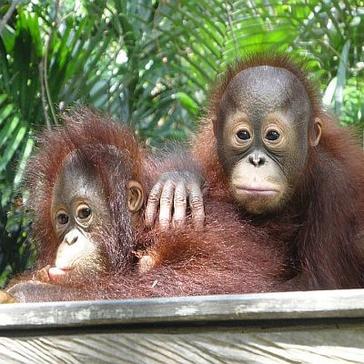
pixel 10 126
pixel 187 102
pixel 341 77
pixel 12 147
pixel 329 92
pixel 23 158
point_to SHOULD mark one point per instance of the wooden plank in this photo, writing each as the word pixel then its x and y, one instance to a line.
pixel 266 306
pixel 319 345
pixel 291 327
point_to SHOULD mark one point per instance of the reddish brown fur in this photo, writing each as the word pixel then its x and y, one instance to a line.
pixel 323 223
pixel 227 257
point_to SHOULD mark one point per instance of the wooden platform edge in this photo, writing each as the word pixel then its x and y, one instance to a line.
pixel 262 306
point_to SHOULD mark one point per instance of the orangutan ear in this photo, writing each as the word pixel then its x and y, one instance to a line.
pixel 135 196
pixel 317 132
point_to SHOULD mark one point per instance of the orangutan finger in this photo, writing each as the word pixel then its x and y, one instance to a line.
pixel 180 205
pixel 166 203
pixel 6 298
pixel 153 204
pixel 197 206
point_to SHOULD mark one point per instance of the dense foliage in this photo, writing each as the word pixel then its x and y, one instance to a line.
pixel 149 63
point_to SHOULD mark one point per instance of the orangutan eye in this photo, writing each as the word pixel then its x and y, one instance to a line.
pixel 272 135
pixel 62 218
pixel 243 134
pixel 84 212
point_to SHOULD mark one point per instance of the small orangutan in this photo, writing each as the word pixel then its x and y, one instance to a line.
pixel 88 183
pixel 267 144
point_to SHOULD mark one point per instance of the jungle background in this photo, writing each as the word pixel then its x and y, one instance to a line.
pixel 149 63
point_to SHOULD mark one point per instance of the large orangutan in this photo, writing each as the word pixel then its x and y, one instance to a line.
pixel 268 145
pixel 88 183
